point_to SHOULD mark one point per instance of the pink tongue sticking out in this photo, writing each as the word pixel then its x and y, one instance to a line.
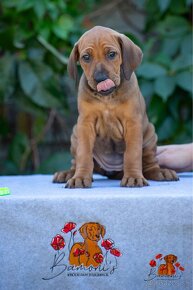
pixel 105 85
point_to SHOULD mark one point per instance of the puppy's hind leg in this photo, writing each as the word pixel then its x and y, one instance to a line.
pixel 151 168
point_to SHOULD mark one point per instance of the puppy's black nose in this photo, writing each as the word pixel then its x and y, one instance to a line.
pixel 100 76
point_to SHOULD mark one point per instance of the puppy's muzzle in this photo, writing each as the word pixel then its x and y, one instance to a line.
pixel 105 86
pixel 100 76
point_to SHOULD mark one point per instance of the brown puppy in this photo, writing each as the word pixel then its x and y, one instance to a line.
pixel 168 268
pixel 87 253
pixel 113 127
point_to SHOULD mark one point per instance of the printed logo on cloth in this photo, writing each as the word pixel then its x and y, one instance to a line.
pixel 83 251
pixel 165 268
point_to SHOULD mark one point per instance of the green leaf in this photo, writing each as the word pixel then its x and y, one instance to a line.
pixel 7 76
pixel 36 54
pixel 163 4
pixel 28 79
pixel 188 2
pixel 63 26
pixel 182 62
pixel 179 7
pixel 147 88
pixel 151 70
pixel 164 86
pixel 186 44
pixel 53 11
pixel 163 59
pixel 24 5
pixel 157 110
pixel 184 80
pixel 34 88
pixel 171 45
pixel 173 26
pixel 42 97
pixel 167 129
pixel 40 8
pixel 17 148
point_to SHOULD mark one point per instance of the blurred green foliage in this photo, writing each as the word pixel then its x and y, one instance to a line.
pixel 36 38
pixel 165 75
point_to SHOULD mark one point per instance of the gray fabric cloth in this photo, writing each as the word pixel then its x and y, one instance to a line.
pixel 142 222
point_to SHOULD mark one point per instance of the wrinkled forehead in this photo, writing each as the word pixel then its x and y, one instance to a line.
pixel 98 39
pixel 93 227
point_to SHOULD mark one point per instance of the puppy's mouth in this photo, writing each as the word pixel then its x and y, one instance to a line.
pixel 106 87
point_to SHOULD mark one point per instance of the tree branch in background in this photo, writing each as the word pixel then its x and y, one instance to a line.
pixel 53 50
pixel 33 148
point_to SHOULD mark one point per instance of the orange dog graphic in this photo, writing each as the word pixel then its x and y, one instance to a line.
pixel 168 268
pixel 88 252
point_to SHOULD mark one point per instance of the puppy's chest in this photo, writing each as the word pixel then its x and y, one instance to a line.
pixel 108 124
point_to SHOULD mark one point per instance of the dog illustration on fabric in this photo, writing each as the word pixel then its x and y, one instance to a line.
pixel 83 250
pixel 171 267
pixel 168 268
pixel 93 251
pixel 88 252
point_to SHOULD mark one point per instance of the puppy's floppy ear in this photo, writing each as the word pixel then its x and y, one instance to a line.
pixel 83 231
pixel 103 231
pixel 72 63
pixel 166 258
pixel 131 55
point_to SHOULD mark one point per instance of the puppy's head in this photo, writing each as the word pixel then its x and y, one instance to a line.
pixel 92 231
pixel 170 258
pixel 105 57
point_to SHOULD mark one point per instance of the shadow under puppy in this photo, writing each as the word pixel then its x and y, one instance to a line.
pixel 113 135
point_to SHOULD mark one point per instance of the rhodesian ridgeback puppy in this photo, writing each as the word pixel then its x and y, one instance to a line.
pixel 113 135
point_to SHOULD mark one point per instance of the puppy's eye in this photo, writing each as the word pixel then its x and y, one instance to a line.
pixel 86 57
pixel 111 54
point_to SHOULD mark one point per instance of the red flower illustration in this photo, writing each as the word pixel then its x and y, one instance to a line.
pixel 98 257
pixel 107 244
pixel 115 252
pixel 58 242
pixel 181 268
pixel 158 256
pixel 152 263
pixel 77 252
pixel 177 264
pixel 68 227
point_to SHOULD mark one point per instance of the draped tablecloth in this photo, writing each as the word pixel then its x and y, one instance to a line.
pixel 144 232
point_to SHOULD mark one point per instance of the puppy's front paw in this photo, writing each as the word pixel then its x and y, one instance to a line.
pixel 79 182
pixel 129 181
pixel 63 176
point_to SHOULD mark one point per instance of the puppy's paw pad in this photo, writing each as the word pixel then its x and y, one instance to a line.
pixel 134 182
